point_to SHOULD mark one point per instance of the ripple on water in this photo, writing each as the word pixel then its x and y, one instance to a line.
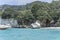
pixel 29 34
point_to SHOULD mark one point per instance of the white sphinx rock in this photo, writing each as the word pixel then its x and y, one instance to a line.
pixel 36 24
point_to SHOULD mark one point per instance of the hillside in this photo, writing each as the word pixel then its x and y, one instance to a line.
pixel 29 13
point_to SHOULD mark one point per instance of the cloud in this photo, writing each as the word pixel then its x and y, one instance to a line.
pixel 19 2
pixel 29 1
pixel 8 2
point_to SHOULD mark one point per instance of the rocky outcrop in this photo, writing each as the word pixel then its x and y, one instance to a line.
pixel 37 24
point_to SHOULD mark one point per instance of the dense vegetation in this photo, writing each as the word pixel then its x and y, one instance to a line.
pixel 27 14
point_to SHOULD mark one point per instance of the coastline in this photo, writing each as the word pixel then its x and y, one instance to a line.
pixel 50 28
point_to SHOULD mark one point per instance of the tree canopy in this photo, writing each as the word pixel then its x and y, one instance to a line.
pixel 34 11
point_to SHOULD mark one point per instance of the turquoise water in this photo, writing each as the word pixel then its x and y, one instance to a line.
pixel 29 34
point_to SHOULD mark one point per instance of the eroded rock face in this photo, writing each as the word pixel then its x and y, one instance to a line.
pixel 51 23
pixel 36 24
pixel 12 22
pixel 57 24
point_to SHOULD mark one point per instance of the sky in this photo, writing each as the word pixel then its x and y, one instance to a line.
pixel 20 2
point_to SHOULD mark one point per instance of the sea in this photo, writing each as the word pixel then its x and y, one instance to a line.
pixel 29 34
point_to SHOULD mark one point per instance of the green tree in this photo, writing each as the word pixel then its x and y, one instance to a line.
pixel 9 13
pixel 34 10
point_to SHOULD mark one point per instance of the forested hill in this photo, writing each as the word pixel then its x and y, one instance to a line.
pixel 16 7
pixel 30 12
pixel 29 5
pixel 20 7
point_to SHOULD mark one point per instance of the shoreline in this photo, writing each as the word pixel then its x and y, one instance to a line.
pixel 34 28
pixel 44 28
pixel 50 28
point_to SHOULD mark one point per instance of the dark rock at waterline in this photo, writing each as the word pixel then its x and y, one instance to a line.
pixel 3 28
